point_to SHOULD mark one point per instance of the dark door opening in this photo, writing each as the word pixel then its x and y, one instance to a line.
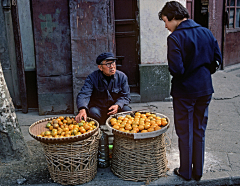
pixel 127 34
pixel 31 86
pixel 201 12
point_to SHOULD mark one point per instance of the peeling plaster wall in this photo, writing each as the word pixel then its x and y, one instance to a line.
pixel 153 34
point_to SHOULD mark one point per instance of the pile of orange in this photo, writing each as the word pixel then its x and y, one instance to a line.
pixel 67 127
pixel 140 122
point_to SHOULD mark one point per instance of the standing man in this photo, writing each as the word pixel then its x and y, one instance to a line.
pixel 105 92
pixel 191 51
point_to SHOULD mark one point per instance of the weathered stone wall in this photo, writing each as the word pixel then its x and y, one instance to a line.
pixel 12 144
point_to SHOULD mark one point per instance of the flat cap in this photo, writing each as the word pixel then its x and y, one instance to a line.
pixel 105 56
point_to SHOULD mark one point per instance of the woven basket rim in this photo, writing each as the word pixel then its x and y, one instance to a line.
pixel 137 135
pixel 65 139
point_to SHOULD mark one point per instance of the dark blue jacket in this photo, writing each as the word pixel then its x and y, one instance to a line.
pixel 191 48
pixel 97 92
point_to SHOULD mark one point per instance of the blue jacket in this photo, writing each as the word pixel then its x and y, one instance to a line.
pixel 191 48
pixel 97 92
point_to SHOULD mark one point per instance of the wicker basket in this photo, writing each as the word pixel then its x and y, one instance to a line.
pixel 71 160
pixel 73 163
pixel 40 126
pixel 139 159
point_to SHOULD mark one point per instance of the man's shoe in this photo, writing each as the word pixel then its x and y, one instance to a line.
pixel 176 171
pixel 197 178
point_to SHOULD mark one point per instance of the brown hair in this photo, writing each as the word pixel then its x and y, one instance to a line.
pixel 173 9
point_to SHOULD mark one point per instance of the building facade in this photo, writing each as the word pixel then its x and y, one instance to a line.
pixel 60 40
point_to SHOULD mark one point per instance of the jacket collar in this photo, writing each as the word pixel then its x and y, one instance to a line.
pixel 187 24
pixel 101 74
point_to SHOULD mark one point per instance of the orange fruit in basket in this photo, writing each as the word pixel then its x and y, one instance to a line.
pixel 65 129
pixel 128 116
pixel 75 126
pixel 151 129
pixel 157 128
pixel 55 125
pixel 54 132
pixel 59 131
pixel 136 118
pixel 141 123
pixel 152 122
pixel 147 126
pixel 125 119
pixel 70 127
pixel 147 123
pixel 120 118
pixel 64 121
pixel 154 125
pixel 61 117
pixel 159 121
pixel 75 131
pixel 113 119
pixel 47 133
pixel 164 123
pixel 78 133
pixel 136 129
pixel 127 131
pixel 86 127
pixel 150 117
pixel 68 133
pixel 153 115
pixel 58 119
pixel 134 125
pixel 119 121
pixel 133 131
pixel 141 127
pixel 55 121
pixel 147 120
pixel 128 127
pixel 148 114
pixel 122 129
pixel 124 122
pixel 143 131
pixel 122 125
pixel 137 114
pixel 114 122
pixel 143 116
pixel 91 128
pixel 69 121
pixel 63 133
pixel 82 130
pixel 116 127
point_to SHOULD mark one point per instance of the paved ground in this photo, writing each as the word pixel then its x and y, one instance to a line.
pixel 222 159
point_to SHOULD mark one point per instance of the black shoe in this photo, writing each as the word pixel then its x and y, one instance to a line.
pixel 197 178
pixel 176 171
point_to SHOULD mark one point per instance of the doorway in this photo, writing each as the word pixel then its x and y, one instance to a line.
pixel 127 40
pixel 201 12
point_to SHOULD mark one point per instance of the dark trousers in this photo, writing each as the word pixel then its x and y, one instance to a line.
pixel 190 118
pixel 100 114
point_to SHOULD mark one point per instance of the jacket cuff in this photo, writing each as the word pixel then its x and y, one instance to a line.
pixel 80 108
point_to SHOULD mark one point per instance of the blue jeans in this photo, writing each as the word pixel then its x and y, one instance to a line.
pixel 190 119
pixel 100 114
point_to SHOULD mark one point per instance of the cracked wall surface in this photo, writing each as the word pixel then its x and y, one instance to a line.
pixel 12 144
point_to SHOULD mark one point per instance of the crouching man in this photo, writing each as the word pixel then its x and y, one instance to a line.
pixel 105 91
